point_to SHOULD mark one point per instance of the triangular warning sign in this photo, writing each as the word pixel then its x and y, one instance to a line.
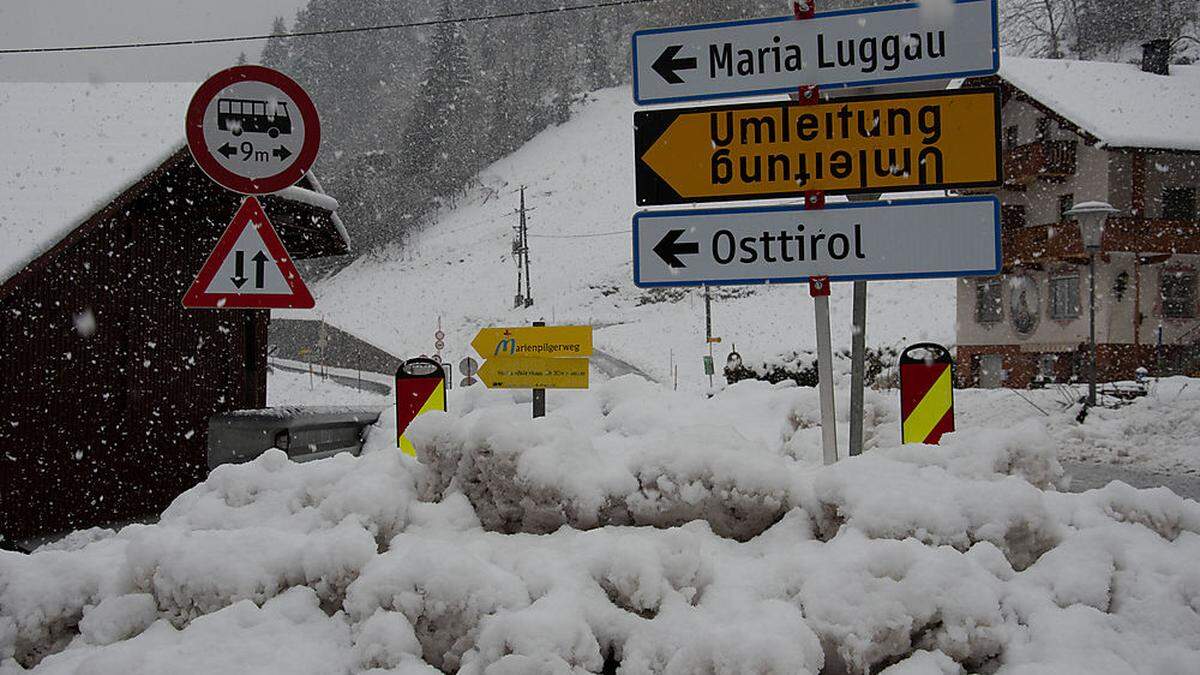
pixel 249 268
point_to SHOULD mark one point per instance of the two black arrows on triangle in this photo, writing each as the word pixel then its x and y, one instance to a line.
pixel 239 278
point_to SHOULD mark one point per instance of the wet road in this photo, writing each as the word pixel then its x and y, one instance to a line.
pixel 1086 476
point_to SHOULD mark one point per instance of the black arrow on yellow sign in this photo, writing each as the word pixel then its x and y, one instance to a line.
pixel 853 145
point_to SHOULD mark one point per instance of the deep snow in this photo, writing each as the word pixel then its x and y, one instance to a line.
pixel 700 537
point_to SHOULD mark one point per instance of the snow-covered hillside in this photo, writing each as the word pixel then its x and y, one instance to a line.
pixel 579 179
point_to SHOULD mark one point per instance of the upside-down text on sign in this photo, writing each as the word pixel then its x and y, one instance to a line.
pixel 853 145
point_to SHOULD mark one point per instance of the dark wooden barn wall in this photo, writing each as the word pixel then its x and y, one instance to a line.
pixel 112 426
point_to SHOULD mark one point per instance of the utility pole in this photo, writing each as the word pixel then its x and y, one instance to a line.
pixel 525 249
pixel 518 253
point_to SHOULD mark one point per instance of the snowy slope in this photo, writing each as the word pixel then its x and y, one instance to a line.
pixel 579 179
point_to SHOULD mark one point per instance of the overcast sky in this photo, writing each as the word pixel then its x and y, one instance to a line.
pixel 47 23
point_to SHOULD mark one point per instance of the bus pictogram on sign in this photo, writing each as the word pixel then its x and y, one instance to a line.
pixel 253 130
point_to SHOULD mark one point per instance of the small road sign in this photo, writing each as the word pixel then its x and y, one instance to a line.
pixel 926 393
pixel 253 130
pixel 901 239
pixel 862 144
pixel 540 341
pixel 844 48
pixel 249 268
pixel 535 373
pixel 469 368
pixel 420 388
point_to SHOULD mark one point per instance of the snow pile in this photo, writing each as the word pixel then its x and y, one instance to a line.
pixel 1157 432
pixel 633 530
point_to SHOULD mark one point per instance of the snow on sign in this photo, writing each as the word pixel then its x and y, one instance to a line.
pixel 903 239
pixel 253 130
pixel 843 48
pixel 249 269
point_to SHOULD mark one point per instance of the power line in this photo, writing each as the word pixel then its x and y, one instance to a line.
pixel 578 236
pixel 330 31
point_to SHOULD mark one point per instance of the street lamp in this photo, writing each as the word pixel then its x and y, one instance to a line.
pixel 1091 217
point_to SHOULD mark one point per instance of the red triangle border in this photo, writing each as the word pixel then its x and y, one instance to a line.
pixel 250 211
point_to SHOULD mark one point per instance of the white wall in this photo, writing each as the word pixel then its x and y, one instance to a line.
pixel 1091 179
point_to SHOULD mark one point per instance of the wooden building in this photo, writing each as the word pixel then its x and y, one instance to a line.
pixel 1077 131
pixel 108 381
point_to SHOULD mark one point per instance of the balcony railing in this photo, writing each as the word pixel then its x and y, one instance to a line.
pixel 1060 241
pixel 1046 160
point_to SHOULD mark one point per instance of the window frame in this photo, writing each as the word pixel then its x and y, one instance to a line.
pixel 1012 136
pixel 1043 128
pixel 1191 190
pixel 1188 304
pixel 1053 306
pixel 982 289
pixel 1068 200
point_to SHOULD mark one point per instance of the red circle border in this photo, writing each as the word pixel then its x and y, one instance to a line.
pixel 194 123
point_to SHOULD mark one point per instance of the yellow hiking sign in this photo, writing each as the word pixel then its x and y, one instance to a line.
pixel 539 341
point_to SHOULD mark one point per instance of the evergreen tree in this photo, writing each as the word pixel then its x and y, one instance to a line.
pixel 275 53
pixel 437 147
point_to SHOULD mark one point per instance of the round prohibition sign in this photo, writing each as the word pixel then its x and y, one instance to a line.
pixel 253 130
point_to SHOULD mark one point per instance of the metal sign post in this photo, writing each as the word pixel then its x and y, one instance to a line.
pixel 818 288
pixel 539 395
pixel 858 349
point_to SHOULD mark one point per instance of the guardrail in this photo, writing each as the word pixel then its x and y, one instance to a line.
pixel 304 433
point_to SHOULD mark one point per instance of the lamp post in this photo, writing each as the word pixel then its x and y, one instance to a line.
pixel 1091 217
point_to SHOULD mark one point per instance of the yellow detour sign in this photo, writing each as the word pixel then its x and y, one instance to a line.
pixel 420 388
pixel 890 143
pixel 541 341
pixel 535 373
pixel 926 393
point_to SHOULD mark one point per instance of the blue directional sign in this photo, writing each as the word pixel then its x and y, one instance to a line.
pixel 842 48
pixel 891 239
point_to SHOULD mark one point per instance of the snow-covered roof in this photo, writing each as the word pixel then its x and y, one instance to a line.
pixel 70 148
pixel 1117 103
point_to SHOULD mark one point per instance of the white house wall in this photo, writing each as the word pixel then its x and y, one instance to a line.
pixel 1114 316
pixel 1091 179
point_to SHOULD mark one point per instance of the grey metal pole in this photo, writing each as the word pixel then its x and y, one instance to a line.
pixel 858 349
pixel 539 395
pixel 708 330
pixel 825 380
pixel 1092 329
